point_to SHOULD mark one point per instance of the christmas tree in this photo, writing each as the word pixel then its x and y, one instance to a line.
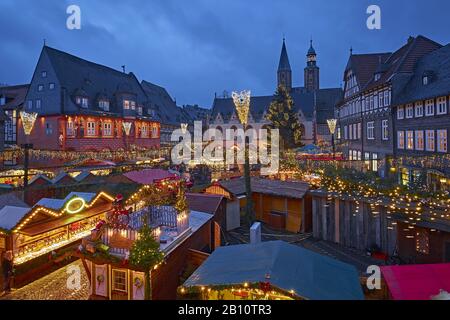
pixel 181 203
pixel 145 254
pixel 283 118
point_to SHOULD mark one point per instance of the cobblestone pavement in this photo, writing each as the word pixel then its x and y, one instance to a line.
pixel 53 287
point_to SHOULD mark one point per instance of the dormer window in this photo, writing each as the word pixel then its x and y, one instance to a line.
pixel 82 102
pixel 104 105
pixel 377 76
pixel 126 104
pixel 44 74
pixel 425 80
pixel 2 101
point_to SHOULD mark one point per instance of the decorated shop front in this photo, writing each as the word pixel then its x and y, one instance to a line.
pixel 38 235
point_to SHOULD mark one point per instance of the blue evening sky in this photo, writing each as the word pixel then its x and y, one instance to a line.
pixel 195 48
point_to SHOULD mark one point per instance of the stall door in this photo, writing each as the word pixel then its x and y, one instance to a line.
pixel 119 284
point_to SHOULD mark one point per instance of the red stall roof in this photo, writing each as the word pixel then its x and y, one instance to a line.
pixel 417 282
pixel 149 176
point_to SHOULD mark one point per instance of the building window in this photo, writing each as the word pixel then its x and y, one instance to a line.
pixel 367 160
pixel 442 140
pixel 442 105
pixel 400 113
pixel 132 105
pixel 429 108
pixel 374 162
pixel 385 129
pixel 345 132
pixel 119 280
pixel 51 86
pixel 48 129
pixel 30 104
pixel 107 129
pixel 409 111
pixel 380 100
pixel 104 105
pixel 144 132
pixel 139 110
pixel 371 130
pixel 350 132
pixel 70 128
pixel 38 104
pixel 11 127
pixel 401 139
pixel 155 131
pixel 387 98
pixel 40 87
pixel 338 133
pixel 44 74
pixel 359 130
pixel 410 140
pixel 422 241
pixel 126 104
pixel 420 143
pixel 90 128
pixel 425 80
pixel 419 109
pixel 2 101
pixel 84 102
pixel 430 140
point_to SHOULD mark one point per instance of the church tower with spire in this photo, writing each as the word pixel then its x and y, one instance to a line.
pixel 311 70
pixel 284 69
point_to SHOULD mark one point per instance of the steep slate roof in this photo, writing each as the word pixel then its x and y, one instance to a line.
pixel 437 65
pixel 93 80
pixel 284 64
pixel 364 66
pixel 326 100
pixel 289 189
pixel 404 60
pixel 311 275
pixel 163 104
pixel 203 202
pixel 15 96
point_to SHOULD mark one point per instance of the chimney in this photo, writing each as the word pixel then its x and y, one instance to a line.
pixel 255 233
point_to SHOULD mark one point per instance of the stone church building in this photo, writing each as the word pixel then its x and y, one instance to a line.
pixel 312 104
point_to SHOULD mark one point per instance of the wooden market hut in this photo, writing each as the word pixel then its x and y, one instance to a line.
pixel 282 205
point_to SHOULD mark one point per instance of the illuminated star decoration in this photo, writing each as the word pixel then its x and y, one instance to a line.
pixel 127 127
pixel 332 125
pixel 242 103
pixel 184 127
pixel 28 120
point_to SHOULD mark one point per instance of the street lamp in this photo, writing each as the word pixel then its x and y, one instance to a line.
pixel 332 126
pixel 28 120
pixel 242 103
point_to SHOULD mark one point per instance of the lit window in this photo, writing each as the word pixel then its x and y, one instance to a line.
pixel 84 102
pixel 107 129
pixel 442 140
pixel 405 176
pixel 442 105
pixel 400 112
pixel 409 111
pixel 374 162
pixel 401 139
pixel 104 105
pixel 429 108
pixel 119 281
pixel 70 129
pixel 51 86
pixel 425 80
pixel 371 130
pixel 419 109
pixel 385 129
pixel 367 160
pixel 90 128
pixel 338 133
pixel 144 132
pixel 430 140
pixel 420 143
pixel 126 104
pixel 410 140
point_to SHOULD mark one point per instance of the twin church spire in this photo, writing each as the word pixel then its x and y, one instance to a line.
pixel 311 72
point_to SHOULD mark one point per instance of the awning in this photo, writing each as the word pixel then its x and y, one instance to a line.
pixel 417 282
